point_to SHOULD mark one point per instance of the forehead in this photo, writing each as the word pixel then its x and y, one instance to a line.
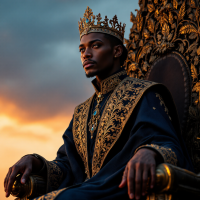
pixel 91 37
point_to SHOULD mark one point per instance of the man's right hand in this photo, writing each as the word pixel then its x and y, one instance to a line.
pixel 24 166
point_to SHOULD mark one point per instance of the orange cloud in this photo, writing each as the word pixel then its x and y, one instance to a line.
pixel 35 112
pixel 18 139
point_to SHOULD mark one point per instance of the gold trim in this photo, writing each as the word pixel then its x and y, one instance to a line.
pixel 81 114
pixel 110 83
pixel 167 154
pixel 101 30
pixel 154 196
pixel 163 103
pixel 55 175
pixel 169 177
pixel 115 116
pixel 32 186
pixel 50 196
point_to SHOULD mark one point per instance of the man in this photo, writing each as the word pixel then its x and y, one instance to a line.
pixel 116 137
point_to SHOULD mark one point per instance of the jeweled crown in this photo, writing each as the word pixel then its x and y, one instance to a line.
pixel 87 25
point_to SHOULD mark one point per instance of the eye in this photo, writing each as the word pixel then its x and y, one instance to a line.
pixel 81 50
pixel 96 45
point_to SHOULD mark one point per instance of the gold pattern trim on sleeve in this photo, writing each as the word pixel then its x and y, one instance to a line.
pixel 55 175
pixel 169 156
pixel 115 116
pixel 163 103
pixel 50 196
pixel 81 114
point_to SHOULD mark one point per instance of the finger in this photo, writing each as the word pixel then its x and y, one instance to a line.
pixel 138 181
pixel 144 182
pixel 6 179
pixel 8 176
pixel 26 174
pixel 130 181
pixel 124 179
pixel 153 176
pixel 15 171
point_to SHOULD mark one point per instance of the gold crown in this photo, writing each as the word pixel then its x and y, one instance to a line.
pixel 86 25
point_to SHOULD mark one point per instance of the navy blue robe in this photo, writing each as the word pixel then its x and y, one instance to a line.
pixel 149 126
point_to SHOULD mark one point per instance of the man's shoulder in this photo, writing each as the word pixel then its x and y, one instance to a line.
pixel 141 85
pixel 136 80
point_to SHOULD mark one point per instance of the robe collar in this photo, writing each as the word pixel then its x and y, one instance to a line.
pixel 109 84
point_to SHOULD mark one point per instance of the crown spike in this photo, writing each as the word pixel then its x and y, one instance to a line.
pixel 106 21
pixel 87 25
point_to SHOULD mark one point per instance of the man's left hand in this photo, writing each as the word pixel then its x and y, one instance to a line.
pixel 141 166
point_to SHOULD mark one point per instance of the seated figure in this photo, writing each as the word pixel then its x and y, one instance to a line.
pixel 118 136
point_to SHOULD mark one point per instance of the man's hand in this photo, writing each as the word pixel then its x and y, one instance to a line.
pixel 139 167
pixel 24 166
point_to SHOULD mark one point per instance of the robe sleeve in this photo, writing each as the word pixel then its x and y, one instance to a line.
pixel 154 129
pixel 58 170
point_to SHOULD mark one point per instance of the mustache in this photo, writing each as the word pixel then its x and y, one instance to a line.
pixel 89 60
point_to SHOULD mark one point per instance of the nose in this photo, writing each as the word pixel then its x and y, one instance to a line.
pixel 87 53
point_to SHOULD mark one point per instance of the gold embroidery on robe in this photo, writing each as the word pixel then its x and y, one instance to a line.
pixel 51 195
pixel 111 82
pixel 163 103
pixel 115 116
pixel 55 175
pixel 116 113
pixel 168 155
pixel 81 114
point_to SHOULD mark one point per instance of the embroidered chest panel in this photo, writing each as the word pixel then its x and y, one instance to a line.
pixel 116 113
pixel 80 131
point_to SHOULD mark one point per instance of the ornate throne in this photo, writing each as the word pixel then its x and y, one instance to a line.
pixel 164 47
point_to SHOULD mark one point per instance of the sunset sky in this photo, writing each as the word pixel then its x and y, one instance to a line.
pixel 41 76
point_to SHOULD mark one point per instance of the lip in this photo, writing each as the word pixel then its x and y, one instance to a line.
pixel 88 64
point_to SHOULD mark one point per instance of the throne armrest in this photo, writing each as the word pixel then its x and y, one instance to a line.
pixel 35 186
pixel 172 183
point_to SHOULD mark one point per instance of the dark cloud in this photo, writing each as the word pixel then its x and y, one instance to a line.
pixel 40 69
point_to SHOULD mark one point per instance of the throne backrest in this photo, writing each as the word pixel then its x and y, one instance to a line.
pixel 164 46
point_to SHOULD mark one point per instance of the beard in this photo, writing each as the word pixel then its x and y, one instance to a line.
pixel 90 75
pixel 99 72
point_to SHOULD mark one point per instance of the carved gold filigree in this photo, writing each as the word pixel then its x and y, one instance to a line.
pixel 160 27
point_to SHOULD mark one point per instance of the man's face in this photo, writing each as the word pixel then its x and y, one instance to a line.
pixel 97 55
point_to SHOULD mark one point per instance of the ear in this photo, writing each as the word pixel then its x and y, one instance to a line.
pixel 118 50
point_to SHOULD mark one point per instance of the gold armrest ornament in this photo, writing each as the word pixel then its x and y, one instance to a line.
pixel 172 183
pixel 35 186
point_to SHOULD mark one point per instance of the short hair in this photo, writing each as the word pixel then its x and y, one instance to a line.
pixel 114 42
